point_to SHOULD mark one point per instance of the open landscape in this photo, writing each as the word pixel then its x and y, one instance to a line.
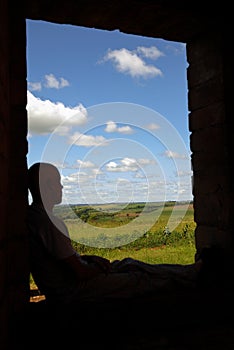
pixel 156 245
pixel 153 232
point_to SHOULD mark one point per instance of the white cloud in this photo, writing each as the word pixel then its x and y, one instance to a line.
pixel 45 117
pixel 52 82
pixel 112 127
pixel 112 165
pixel 150 52
pixel 152 126
pixel 126 164
pixel 83 164
pixel 144 161
pixel 97 172
pixel 69 179
pixel 175 155
pixel 129 162
pixel 129 62
pixel 87 140
pixel 182 173
pixel 35 86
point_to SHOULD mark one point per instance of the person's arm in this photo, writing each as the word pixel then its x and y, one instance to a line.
pixel 102 263
pixel 83 270
pixel 60 245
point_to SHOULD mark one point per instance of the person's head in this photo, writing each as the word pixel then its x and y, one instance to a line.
pixel 44 183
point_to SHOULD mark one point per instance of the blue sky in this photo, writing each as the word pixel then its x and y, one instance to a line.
pixel 110 110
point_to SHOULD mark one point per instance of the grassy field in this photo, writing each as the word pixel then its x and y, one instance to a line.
pixel 155 233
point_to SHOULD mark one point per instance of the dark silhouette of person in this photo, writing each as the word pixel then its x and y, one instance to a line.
pixel 63 275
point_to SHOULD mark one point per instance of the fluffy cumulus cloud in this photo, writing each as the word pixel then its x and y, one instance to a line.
pixel 37 86
pixel 84 140
pixel 45 117
pixel 113 127
pixel 126 164
pixel 50 82
pixel 85 164
pixel 150 52
pixel 133 63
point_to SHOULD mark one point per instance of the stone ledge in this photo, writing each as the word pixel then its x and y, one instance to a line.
pixel 179 321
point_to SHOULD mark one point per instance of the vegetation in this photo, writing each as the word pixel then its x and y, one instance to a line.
pixel 158 244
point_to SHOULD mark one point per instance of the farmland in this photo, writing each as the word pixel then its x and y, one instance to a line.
pixel 152 232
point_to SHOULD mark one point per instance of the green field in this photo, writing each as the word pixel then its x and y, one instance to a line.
pixel 156 233
pixel 152 232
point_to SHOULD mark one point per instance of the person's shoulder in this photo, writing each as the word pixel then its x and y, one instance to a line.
pixel 36 210
pixel 36 207
pixel 36 215
pixel 60 225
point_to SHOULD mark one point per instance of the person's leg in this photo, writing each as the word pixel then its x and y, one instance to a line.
pixel 129 264
pixel 137 280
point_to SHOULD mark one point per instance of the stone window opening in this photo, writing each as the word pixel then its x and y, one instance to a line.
pixel 209 99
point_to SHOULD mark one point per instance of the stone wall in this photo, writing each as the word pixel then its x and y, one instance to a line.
pixel 210 120
pixel 209 141
pixel 14 269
